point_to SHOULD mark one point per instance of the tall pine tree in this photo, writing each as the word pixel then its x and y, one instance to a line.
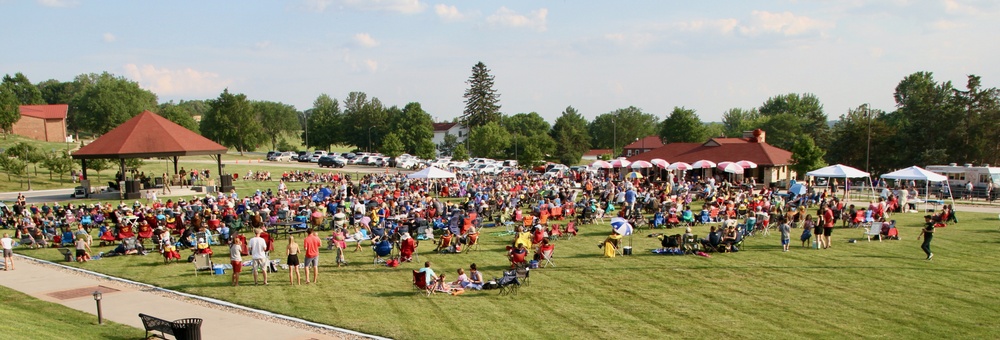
pixel 482 102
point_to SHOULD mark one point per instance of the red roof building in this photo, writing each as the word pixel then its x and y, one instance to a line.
pixel 593 154
pixel 772 162
pixel 642 145
pixel 42 122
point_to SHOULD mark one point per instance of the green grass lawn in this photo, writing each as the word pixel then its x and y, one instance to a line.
pixel 25 317
pixel 878 289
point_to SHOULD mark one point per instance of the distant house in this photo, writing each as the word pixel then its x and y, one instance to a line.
pixel 594 154
pixel 772 162
pixel 42 122
pixel 456 129
pixel 641 145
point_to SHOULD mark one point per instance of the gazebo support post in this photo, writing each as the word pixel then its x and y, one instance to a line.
pixel 175 165
pixel 83 165
pixel 122 162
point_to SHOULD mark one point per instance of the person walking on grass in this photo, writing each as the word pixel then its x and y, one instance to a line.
pixel 8 252
pixel 258 254
pixel 235 259
pixel 827 224
pixel 293 261
pixel 312 244
pixel 928 234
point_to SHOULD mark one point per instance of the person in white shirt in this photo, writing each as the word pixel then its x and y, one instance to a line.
pixel 258 253
pixel 8 252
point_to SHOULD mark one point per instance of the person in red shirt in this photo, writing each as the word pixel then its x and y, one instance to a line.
pixel 827 225
pixel 312 244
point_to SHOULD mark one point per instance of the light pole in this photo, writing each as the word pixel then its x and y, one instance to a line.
pixel 614 137
pixel 100 316
pixel 369 138
pixel 868 150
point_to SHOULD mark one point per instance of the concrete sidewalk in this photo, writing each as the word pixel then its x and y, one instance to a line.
pixel 123 302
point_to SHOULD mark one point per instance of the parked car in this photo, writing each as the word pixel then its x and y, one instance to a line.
pixel 349 155
pixel 331 162
pixel 303 156
pixel 283 157
pixel 270 154
pixel 316 156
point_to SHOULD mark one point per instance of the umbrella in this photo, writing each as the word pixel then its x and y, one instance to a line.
pixel 797 189
pixel 633 175
pixel 731 168
pixel 680 166
pixel 722 165
pixel 641 165
pixel 621 226
pixel 703 164
pixel 747 164
pixel 660 163
pixel 620 163
pixel 600 165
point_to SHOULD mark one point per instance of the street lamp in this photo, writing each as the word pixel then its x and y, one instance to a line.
pixel 97 297
pixel 614 137
pixel 369 138
pixel 868 150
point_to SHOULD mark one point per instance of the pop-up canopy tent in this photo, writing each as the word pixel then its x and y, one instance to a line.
pixel 431 172
pixel 916 173
pixel 842 171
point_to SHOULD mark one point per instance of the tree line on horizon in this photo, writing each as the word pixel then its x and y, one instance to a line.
pixel 949 125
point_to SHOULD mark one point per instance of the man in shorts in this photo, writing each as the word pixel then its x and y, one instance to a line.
pixel 312 244
pixel 235 259
pixel 258 254
pixel 8 252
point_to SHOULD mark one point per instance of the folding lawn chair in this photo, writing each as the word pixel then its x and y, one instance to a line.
pixel 202 262
pixel 508 284
pixel 570 230
pixel 874 230
pixel 523 273
pixel 547 256
pixel 420 283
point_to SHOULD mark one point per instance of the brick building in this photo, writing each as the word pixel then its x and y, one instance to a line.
pixel 42 122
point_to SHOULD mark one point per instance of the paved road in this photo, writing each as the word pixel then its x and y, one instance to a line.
pixel 123 304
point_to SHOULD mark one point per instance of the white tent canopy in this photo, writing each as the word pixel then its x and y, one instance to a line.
pixel 431 172
pixel 915 173
pixel 838 171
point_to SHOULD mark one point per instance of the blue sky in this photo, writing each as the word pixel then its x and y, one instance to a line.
pixel 546 55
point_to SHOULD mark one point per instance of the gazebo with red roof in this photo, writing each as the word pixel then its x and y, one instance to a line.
pixel 150 135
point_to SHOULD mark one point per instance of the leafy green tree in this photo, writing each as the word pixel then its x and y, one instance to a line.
pixel 324 122
pixel 177 114
pixel 26 154
pixel 10 111
pixel 448 145
pixel 620 127
pixel 425 150
pixel 413 126
pixel 459 153
pixel 391 145
pixel 14 167
pixel 109 102
pixel 808 115
pixel 482 102
pixel 806 156
pixel 197 108
pixel 58 162
pixel 365 121
pixel 978 115
pixel 99 165
pixel 526 124
pixel 489 140
pixel 849 140
pixel 926 117
pixel 570 136
pixel 133 163
pixel 284 145
pixel 26 92
pixel 58 92
pixel 529 157
pixel 737 120
pixel 682 126
pixel 232 122
pixel 279 119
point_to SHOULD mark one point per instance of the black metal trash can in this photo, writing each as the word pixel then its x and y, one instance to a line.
pixel 187 329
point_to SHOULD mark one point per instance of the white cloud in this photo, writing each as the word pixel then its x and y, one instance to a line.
pixel 956 7
pixel 396 6
pixel 448 13
pixel 366 40
pixel 506 17
pixel 108 37
pixel 945 25
pixel 187 81
pixel 784 23
pixel 631 39
pixel 371 65
pixel 58 3
pixel 724 26
pixel 260 45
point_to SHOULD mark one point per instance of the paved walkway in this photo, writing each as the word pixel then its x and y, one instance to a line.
pixel 73 289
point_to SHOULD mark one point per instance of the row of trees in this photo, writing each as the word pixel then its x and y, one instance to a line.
pixel 951 125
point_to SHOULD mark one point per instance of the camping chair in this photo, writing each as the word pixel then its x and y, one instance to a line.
pixel 869 219
pixel 420 283
pixel 704 218
pixel 523 273
pixel 690 244
pixel 617 244
pixel 555 232
pixel 547 256
pixel 66 238
pixel 472 241
pixel 570 230
pixel 444 246
pixel 508 284
pixel 748 228
pixel 875 229
pixel 381 249
pixel 518 259
pixel 658 220
pixel 202 262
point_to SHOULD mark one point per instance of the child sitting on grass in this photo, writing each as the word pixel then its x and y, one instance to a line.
pixel 82 249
